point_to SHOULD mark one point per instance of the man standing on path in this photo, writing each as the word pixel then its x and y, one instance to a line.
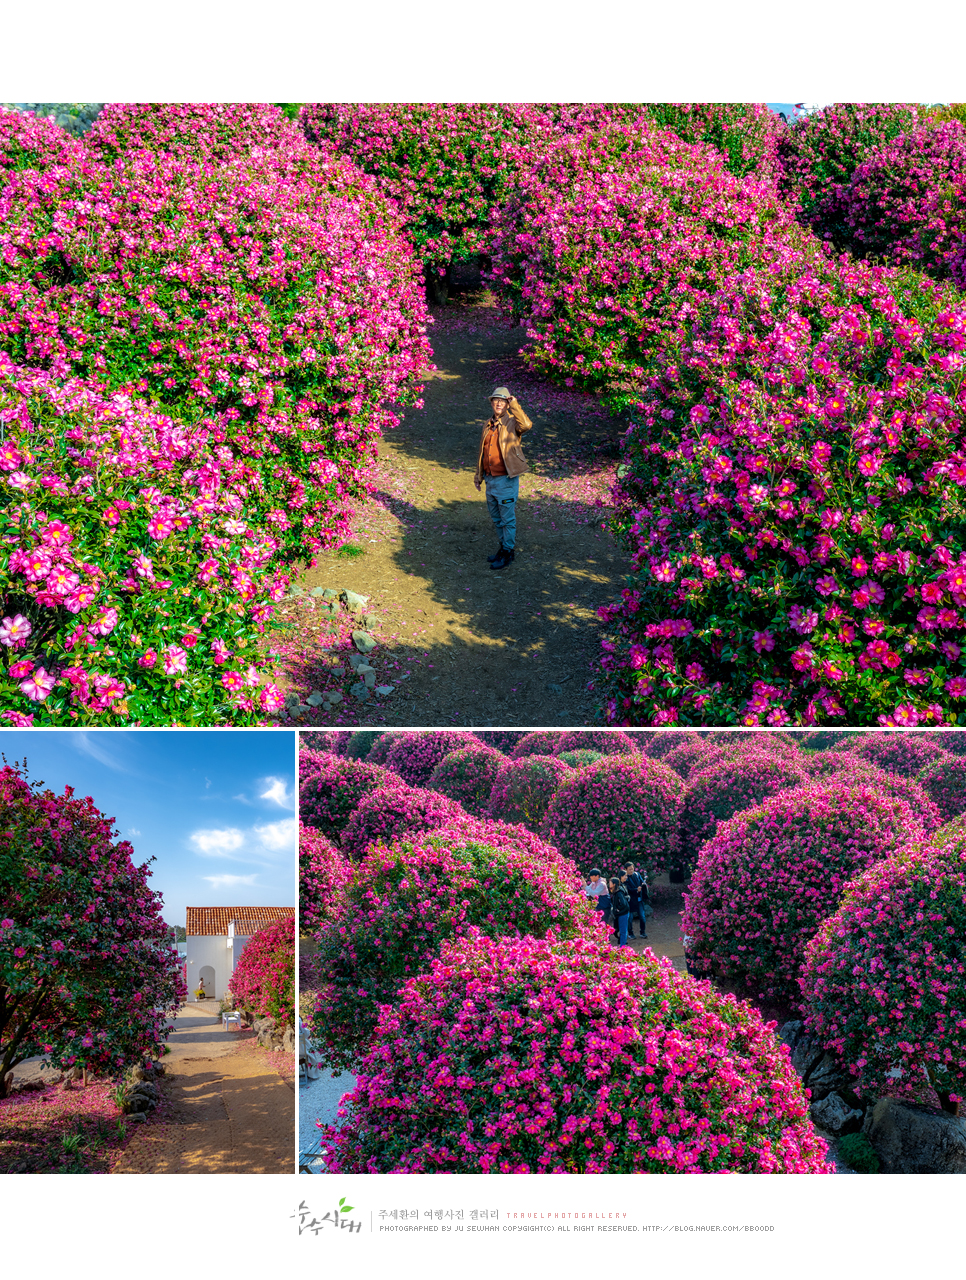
pixel 501 463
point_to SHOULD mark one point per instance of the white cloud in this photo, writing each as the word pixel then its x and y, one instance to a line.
pixel 94 745
pixel 277 792
pixel 133 831
pixel 278 835
pixel 229 882
pixel 215 843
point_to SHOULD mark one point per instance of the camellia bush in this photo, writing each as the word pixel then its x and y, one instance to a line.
pixel 329 795
pixel 263 982
pixel 211 132
pixel 467 776
pixel 884 980
pixel 541 742
pixel 405 900
pixel 623 808
pixel 820 151
pixel 904 753
pixel 719 791
pixel 579 759
pixel 523 789
pixel 415 754
pixel 769 877
pixel 123 600
pixel 324 873
pixel 87 974
pixel 748 134
pixel 257 311
pixel 944 781
pixel 394 810
pixel 844 766
pixel 906 204
pixel 526 1055
pixel 691 755
pixel 607 742
pixel 795 548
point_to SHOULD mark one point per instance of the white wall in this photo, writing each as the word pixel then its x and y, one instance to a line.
pixel 213 950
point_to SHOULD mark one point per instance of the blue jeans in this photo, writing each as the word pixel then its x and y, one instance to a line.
pixel 501 499
pixel 637 909
pixel 621 923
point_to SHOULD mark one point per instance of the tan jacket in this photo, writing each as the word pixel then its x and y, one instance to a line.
pixel 510 425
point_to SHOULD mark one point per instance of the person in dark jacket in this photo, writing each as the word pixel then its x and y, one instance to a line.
pixel 500 463
pixel 635 884
pixel 620 905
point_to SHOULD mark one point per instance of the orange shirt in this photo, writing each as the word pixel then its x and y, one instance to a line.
pixel 493 464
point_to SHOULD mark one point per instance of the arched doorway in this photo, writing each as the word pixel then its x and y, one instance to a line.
pixel 206 979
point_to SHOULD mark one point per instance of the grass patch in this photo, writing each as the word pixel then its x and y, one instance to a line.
pixel 350 550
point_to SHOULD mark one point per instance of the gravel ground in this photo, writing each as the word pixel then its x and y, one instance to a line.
pixel 319 1100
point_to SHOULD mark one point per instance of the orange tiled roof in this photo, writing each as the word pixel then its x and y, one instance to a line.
pixel 209 921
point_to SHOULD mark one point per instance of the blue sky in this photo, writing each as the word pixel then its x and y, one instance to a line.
pixel 216 809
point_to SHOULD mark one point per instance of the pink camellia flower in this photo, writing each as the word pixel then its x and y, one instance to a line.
pixel 38 686
pixel 104 623
pixel 20 669
pixel 84 595
pixel 148 659
pixel 14 631
pixel 220 653
pixel 19 480
pixel 207 570
pixel 17 719
pixel 763 641
pixel 804 621
pixel 143 567
pixel 906 715
pixel 271 698
pixel 859 567
pixel 160 526
pixel 233 680
pixel 56 945
pixel 931 592
pixel 826 586
pixel 6 924
pixel 37 566
pixel 175 661
pixel 57 534
pixel 956 688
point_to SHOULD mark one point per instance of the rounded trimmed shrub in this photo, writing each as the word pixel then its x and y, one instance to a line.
pixel 500 739
pixel 944 781
pixel 541 742
pixel 842 766
pixel 405 900
pixel 394 810
pixel 330 794
pixel 515 1056
pixel 379 751
pixel 523 789
pixel 579 759
pixel 621 808
pixel 323 875
pixel 884 980
pixel 209 132
pixel 906 204
pixel 361 742
pixel 659 744
pixel 416 753
pixel 607 742
pixel 903 753
pixel 820 152
pixel 263 981
pixel 770 876
pixel 467 776
pixel 720 790
pixel 690 756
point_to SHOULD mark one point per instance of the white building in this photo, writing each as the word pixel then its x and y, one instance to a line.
pixel 215 939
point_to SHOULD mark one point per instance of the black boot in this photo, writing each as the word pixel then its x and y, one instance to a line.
pixel 503 559
pixel 496 554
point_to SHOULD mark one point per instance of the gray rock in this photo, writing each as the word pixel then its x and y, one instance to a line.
pixel 368 676
pixel 913 1139
pixel 292 700
pixel 790 1032
pixel 334 698
pixel 363 641
pixel 806 1052
pixel 288 1040
pixel 384 689
pixel 835 1115
pixel 827 1076
pixel 356 660
pixel 367 620
pixel 135 1117
pixel 354 603
pixel 321 593
pixel 360 693
pixel 315 699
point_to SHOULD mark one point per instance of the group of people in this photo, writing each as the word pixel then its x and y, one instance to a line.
pixel 621 898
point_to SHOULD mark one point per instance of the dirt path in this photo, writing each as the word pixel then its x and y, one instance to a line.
pixel 228 1112
pixel 459 643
